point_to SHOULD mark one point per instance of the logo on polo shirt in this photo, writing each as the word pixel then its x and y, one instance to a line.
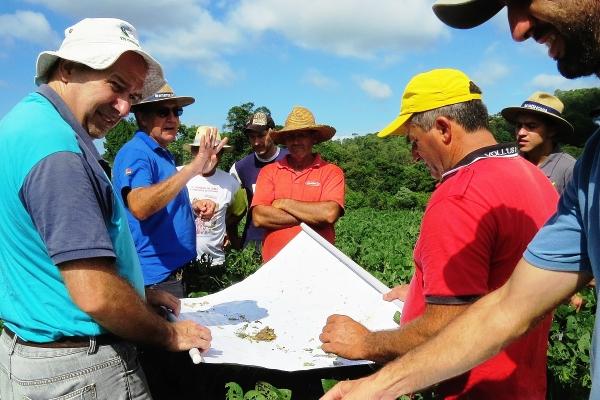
pixel 128 171
pixel 312 183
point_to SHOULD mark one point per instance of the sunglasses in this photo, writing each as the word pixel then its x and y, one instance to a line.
pixel 163 112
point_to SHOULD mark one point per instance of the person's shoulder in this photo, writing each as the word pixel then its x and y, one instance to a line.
pixel 566 159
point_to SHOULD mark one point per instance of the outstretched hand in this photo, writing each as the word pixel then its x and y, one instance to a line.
pixel 206 159
pixel 398 293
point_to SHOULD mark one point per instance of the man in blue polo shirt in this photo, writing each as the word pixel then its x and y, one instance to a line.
pixel 155 193
pixel 71 290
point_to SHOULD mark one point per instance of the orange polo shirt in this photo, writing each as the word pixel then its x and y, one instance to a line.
pixel 321 181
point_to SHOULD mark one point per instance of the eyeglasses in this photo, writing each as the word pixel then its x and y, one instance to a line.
pixel 163 112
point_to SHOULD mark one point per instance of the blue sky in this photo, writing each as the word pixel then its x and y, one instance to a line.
pixel 346 60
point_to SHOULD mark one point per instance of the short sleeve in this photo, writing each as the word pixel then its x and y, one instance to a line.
pixel 132 169
pixel 65 207
pixel 264 194
pixel 560 244
pixel 334 187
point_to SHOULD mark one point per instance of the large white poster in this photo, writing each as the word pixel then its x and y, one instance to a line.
pixel 274 317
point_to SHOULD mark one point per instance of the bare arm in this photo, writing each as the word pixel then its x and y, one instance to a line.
pixel 349 339
pixel 143 202
pixel 98 290
pixel 310 212
pixel 482 331
pixel 273 218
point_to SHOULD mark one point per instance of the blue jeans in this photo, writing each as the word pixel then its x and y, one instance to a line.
pixel 94 372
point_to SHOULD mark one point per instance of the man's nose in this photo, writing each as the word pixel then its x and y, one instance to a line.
pixel 122 106
pixel 521 22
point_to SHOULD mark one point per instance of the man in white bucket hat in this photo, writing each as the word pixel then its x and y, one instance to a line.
pixel 71 291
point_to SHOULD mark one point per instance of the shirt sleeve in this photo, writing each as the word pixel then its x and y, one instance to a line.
pixel 132 170
pixel 233 172
pixel 66 209
pixel 334 187
pixel 454 251
pixel 239 203
pixel 560 244
pixel 264 194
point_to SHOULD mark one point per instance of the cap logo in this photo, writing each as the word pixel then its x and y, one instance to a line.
pixel 129 36
pixel 124 29
pixel 259 119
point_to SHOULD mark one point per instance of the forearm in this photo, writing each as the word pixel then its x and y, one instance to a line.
pixel 99 291
pixel 269 217
pixel 143 202
pixel 310 212
pixel 489 325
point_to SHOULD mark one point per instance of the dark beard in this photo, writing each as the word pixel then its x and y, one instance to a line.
pixel 582 49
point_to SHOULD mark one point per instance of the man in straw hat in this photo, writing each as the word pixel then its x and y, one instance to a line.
pixel 258 130
pixel 213 234
pixel 487 207
pixel 72 291
pixel 302 187
pixel 539 127
pixel 155 194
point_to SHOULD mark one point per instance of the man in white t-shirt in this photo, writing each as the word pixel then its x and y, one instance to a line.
pixel 212 235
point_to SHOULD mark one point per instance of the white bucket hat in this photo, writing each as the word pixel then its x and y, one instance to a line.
pixel 98 43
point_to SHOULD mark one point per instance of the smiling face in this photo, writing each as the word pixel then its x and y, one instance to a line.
pixel 99 99
pixel 160 121
pixel 569 28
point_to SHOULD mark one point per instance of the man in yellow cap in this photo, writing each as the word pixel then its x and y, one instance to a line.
pixel 488 205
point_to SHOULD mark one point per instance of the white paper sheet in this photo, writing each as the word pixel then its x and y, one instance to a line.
pixel 293 294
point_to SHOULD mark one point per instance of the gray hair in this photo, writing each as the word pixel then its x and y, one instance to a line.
pixel 472 115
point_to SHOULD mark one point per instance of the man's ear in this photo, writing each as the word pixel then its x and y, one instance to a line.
pixel 64 70
pixel 443 126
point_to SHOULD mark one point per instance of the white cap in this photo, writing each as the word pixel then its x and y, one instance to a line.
pixel 98 43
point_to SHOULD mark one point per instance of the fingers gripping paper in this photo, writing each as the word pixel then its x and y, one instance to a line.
pixel 274 317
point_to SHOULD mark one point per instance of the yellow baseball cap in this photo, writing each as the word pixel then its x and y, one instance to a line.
pixel 430 90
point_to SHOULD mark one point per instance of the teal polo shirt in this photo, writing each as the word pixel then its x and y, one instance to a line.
pixel 56 205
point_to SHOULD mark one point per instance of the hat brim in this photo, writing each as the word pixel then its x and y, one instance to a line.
pixel 565 129
pixel 322 133
pixel 466 14
pixel 397 127
pixel 46 59
pixel 256 128
pixel 180 101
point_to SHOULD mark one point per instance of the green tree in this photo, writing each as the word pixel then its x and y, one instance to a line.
pixel 502 129
pixel 117 137
pixel 578 104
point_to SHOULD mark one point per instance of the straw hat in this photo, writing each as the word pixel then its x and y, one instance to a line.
pixel 98 43
pixel 163 94
pixel 200 133
pixel 301 119
pixel 549 107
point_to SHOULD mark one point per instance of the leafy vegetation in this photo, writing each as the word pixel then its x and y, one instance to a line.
pixel 261 391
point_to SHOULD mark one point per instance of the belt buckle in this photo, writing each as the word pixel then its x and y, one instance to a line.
pixel 179 274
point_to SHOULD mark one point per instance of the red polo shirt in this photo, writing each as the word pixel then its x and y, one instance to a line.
pixel 476 226
pixel 320 181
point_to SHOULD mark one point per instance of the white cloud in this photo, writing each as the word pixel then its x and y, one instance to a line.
pixel 316 78
pixel 27 26
pixel 374 88
pixel 489 72
pixel 344 27
pixel 206 33
pixel 550 83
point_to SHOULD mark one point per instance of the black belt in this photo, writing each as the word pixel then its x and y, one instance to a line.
pixel 68 341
